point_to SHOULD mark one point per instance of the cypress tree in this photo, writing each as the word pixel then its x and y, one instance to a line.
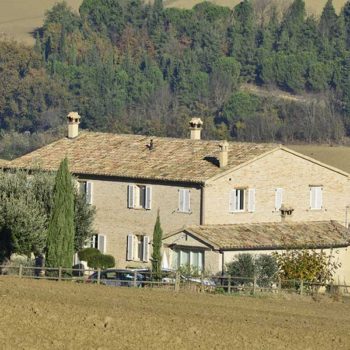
pixel 60 240
pixel 157 245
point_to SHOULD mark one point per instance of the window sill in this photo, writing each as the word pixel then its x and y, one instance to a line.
pixel 241 212
pixel 184 212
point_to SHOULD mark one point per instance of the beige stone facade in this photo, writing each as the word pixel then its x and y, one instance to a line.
pixel 279 169
pixel 116 221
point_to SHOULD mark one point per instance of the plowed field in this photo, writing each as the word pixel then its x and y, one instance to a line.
pixel 52 315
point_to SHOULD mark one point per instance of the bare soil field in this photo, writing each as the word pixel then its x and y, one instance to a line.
pixel 18 18
pixel 51 315
pixel 336 156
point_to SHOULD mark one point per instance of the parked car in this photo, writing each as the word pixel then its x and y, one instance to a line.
pixel 168 276
pixel 118 278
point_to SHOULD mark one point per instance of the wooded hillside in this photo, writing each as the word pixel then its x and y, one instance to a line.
pixel 131 67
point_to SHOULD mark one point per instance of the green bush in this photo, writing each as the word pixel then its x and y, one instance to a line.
pixel 263 267
pixel 87 253
pixel 101 261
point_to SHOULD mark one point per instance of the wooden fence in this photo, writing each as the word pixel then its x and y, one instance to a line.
pixel 173 280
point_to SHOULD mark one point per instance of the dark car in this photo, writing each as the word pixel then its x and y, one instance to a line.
pixel 118 278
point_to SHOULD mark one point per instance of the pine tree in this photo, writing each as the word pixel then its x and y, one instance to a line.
pixel 60 240
pixel 157 245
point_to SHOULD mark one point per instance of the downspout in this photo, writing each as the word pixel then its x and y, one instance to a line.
pixel 202 214
pixel 222 263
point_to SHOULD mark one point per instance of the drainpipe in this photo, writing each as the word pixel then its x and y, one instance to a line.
pixel 202 215
pixel 346 216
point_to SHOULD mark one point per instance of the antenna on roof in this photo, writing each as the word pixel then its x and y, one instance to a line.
pixel 150 146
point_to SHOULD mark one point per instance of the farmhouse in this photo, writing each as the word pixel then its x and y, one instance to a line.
pixel 208 193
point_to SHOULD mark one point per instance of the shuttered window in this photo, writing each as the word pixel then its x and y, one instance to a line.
pixel 242 200
pixel 102 243
pixel 137 248
pixel 278 198
pixel 251 200
pixel 140 196
pixel 85 187
pixel 184 200
pixel 145 249
pixel 316 197
pixel 130 247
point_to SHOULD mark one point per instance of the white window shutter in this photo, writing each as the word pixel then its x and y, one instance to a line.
pixel 148 204
pixel 130 247
pixel 187 201
pixel 278 198
pixel 89 192
pixel 131 196
pixel 181 200
pixel 145 249
pixel 101 243
pixel 251 200
pixel 232 206
pixel 319 198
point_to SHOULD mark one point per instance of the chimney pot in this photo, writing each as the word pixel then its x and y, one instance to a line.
pixel 223 155
pixel 196 126
pixel 73 119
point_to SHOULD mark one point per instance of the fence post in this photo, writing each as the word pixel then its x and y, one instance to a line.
pixel 279 284
pixel 202 283
pixel 177 281
pixel 98 276
pixel 254 285
pixel 60 273
pixel 301 287
pixel 229 285
pixel 20 271
pixel 135 280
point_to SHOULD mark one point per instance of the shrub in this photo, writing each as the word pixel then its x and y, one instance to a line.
pixel 86 253
pixel 263 267
pixel 101 261
pixel 308 265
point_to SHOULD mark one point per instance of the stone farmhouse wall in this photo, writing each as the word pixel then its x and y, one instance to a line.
pixel 279 169
pixel 115 220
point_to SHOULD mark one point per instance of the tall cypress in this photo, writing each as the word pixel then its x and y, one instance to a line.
pixel 60 240
pixel 157 245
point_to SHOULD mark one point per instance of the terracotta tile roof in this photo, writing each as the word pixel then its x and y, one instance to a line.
pixel 129 156
pixel 316 234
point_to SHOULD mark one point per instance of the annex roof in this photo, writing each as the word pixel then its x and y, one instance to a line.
pixel 281 235
pixel 133 156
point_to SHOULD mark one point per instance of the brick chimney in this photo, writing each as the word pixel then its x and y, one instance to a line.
pixel 223 155
pixel 196 125
pixel 73 119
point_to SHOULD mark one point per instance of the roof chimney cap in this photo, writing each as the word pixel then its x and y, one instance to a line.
pixel 73 117
pixel 196 128
pixel 196 123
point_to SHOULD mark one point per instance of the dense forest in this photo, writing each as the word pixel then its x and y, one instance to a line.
pixel 131 67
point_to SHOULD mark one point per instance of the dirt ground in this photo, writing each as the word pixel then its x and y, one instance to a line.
pixel 52 315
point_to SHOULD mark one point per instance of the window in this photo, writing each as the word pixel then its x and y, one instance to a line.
pixel 184 200
pixel 139 196
pixel 278 198
pixel 242 199
pixel 97 241
pixel 137 248
pixel 85 187
pixel 316 194
pixel 192 258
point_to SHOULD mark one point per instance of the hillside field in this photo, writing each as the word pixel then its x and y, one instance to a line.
pixel 53 315
pixel 18 18
pixel 336 156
